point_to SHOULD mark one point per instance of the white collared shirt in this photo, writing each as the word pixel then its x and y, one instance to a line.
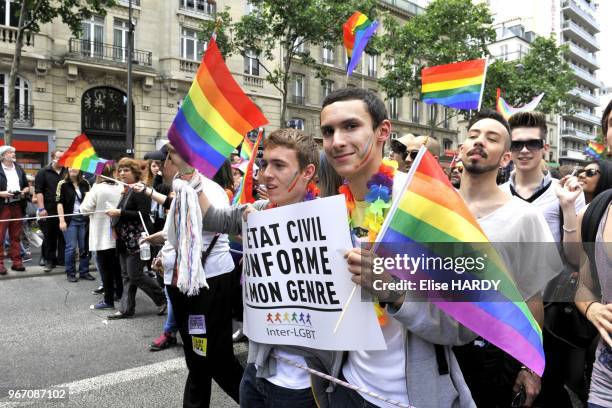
pixel 12 179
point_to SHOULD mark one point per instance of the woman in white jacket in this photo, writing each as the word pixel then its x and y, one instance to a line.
pixel 103 195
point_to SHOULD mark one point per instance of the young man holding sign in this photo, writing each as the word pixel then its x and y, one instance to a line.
pixel 413 370
pixel 289 164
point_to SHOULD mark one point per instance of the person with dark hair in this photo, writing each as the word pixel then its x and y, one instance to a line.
pixel 558 201
pixel 71 192
pixel 225 178
pixel 398 151
pixel 103 195
pixel 45 185
pixel 13 188
pixel 131 212
pixel 418 367
pixel 595 178
pixel 606 127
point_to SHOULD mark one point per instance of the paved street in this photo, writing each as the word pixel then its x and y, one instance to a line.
pixel 50 337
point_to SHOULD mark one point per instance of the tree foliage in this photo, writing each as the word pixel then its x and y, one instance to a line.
pixel 288 26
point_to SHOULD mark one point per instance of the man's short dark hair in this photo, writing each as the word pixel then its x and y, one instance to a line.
pixel 529 120
pixel 375 106
pixel 490 114
pixel 604 119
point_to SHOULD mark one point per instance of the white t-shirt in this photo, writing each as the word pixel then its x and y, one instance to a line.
pixel 548 203
pixel 509 229
pixel 12 179
pixel 219 260
pixel 381 371
pixel 288 376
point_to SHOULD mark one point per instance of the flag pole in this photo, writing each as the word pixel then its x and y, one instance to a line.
pixel 484 80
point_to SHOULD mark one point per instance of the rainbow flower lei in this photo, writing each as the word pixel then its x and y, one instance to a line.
pixel 380 191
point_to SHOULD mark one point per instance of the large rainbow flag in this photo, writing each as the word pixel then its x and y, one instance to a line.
pixel 357 32
pixel 595 150
pixel 458 85
pixel 244 194
pixel 214 117
pixel 431 215
pixel 507 110
pixel 81 155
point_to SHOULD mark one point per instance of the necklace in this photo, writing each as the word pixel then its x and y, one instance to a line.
pixel 378 197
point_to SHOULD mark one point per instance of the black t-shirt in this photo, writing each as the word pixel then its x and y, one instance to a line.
pixel 46 183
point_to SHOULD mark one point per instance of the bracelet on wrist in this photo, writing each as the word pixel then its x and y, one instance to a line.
pixel 40 209
pixel 587 308
pixel 569 229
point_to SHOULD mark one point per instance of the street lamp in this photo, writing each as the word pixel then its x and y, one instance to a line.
pixel 129 126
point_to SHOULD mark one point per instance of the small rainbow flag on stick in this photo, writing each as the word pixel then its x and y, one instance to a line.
pixel 244 194
pixel 595 150
pixel 458 85
pixel 357 32
pixel 246 150
pixel 214 117
pixel 507 110
pixel 81 155
pixel 431 212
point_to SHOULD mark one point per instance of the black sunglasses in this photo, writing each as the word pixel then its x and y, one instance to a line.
pixel 589 173
pixel 413 154
pixel 533 144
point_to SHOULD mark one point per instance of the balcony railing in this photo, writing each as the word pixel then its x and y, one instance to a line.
pixel 253 81
pixel 585 96
pixel 99 51
pixel 127 3
pixel 587 117
pixel 586 76
pixel 9 35
pixel 201 7
pixel 23 117
pixel 587 57
pixel 298 100
pixel 586 18
pixel 405 5
pixel 188 65
pixel 582 33
pixel 577 134
pixel 572 154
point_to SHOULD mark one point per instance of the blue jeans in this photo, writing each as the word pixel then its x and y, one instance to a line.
pixel 170 326
pixel 75 236
pixel 261 393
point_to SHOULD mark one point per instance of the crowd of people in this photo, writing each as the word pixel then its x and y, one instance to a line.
pixel 430 359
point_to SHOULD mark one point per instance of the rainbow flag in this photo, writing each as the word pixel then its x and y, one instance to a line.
pixel 81 155
pixel 507 110
pixel 458 85
pixel 357 32
pixel 431 214
pixel 246 150
pixel 595 150
pixel 214 117
pixel 244 194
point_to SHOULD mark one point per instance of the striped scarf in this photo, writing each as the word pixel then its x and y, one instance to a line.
pixel 184 232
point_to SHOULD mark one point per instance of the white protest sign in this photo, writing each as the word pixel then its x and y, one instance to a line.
pixel 296 280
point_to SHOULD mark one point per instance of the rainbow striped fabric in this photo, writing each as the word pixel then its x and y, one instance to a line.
pixel 215 116
pixel 595 150
pixel 357 30
pixel 507 110
pixel 458 85
pixel 246 150
pixel 244 194
pixel 431 213
pixel 81 155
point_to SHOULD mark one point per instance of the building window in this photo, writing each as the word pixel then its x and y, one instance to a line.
pixel 447 144
pixel 393 111
pixel 251 63
pixel 328 87
pixel 328 54
pixel 298 89
pixel 192 48
pixel 92 37
pixel 296 123
pixel 198 6
pixel 504 52
pixel 446 118
pixel 416 115
pixel 8 13
pixel 432 114
pixel 393 135
pixel 120 39
pixel 299 46
pixel 23 111
pixel 372 63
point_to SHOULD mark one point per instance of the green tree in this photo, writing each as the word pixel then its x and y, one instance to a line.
pixel 542 69
pixel 288 25
pixel 33 13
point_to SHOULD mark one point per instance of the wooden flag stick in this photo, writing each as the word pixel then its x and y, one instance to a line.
pixel 346 306
pixel 115 180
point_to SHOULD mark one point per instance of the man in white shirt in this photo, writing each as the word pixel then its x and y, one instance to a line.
pixel 496 379
pixel 13 187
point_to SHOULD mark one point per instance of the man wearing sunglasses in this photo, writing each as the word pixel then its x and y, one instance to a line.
pixel 415 144
pixel 559 202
